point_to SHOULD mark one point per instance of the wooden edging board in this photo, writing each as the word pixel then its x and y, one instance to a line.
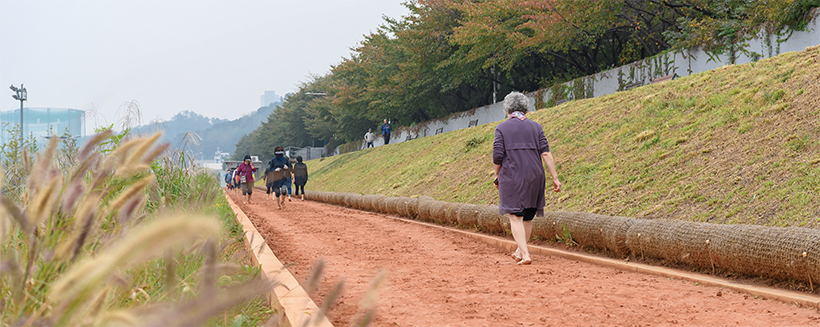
pixel 287 295
pixel 803 299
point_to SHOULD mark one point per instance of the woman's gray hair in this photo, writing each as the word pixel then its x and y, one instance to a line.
pixel 516 101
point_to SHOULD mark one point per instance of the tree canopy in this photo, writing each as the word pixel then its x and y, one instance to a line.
pixel 448 56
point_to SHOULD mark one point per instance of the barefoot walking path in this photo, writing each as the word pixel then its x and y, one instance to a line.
pixel 439 278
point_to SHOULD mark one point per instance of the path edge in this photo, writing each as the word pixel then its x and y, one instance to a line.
pixel 790 297
pixel 287 296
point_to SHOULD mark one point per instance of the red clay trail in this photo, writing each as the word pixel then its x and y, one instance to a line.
pixel 440 278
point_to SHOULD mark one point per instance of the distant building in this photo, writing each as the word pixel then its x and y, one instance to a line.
pixel 220 156
pixel 42 122
pixel 270 97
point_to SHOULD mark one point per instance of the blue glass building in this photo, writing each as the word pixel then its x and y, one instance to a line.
pixel 42 122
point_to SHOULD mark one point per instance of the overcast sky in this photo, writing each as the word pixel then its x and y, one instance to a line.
pixel 212 57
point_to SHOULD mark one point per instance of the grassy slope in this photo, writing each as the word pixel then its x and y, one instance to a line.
pixel 740 144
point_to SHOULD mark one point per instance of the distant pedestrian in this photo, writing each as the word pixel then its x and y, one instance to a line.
pixel 288 180
pixel 280 170
pixel 245 173
pixel 268 182
pixel 236 184
pixel 369 138
pixel 300 176
pixel 386 130
pixel 518 149
pixel 229 179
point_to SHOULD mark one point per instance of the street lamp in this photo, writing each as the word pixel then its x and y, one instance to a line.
pixel 21 95
pixel 315 93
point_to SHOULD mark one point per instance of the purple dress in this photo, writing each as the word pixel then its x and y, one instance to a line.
pixel 517 147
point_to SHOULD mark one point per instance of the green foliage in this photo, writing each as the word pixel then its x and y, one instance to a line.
pixel 111 142
pixel 565 236
pixel 733 145
pixel 724 26
pixel 445 56
pixel 475 141
pixel 15 157
pixel 288 125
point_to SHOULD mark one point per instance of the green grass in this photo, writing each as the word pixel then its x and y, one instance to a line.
pixel 740 144
pixel 64 254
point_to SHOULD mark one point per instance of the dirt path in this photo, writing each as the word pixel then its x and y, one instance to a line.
pixel 439 278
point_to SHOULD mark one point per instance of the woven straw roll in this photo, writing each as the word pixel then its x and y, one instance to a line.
pixel 451 213
pixel 489 220
pixel 424 206
pixel 467 215
pixel 400 205
pixel 370 202
pixel 409 207
pixel 437 210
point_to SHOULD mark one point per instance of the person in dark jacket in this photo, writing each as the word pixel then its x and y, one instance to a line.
pixel 386 130
pixel 300 176
pixel 229 179
pixel 518 149
pixel 279 170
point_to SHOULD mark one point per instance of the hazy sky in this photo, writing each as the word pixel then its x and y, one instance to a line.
pixel 212 57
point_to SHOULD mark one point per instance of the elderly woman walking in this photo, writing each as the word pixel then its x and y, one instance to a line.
pixel 518 148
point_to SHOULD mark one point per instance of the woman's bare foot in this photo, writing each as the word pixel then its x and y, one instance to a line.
pixel 525 262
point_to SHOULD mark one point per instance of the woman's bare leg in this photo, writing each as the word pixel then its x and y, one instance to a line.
pixel 520 237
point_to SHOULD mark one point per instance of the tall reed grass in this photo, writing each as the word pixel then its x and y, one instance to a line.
pixel 117 233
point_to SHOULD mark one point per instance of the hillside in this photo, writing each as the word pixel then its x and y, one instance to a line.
pixel 225 134
pixel 180 123
pixel 213 132
pixel 740 144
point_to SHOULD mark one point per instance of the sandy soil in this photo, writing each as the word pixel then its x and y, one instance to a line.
pixel 439 278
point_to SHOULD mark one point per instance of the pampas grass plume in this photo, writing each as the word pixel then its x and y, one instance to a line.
pixel 129 193
pixel 73 287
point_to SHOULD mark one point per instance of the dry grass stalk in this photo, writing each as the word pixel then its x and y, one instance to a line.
pixel 89 149
pixel 312 283
pixel 368 304
pixel 44 201
pixel 77 248
pixel 17 215
pixel 69 291
pixel 44 163
pixel 71 196
pixel 135 190
pixel 197 311
pixel 85 223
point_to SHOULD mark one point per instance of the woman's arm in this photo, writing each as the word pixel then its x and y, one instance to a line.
pixel 550 162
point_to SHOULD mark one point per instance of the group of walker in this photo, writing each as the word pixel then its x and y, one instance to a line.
pixel 279 175
pixel 519 147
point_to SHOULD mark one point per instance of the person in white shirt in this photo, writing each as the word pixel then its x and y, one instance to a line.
pixel 369 138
